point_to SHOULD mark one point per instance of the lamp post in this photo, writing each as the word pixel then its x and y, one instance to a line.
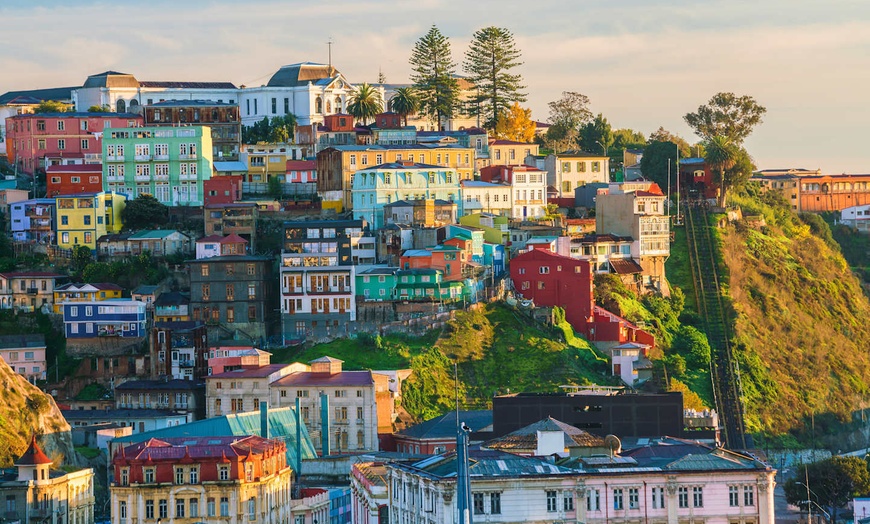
pixel 811 501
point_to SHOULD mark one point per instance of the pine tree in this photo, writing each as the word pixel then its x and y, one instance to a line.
pixel 433 75
pixel 489 60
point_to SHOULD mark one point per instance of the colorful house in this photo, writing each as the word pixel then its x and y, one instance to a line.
pixel 73 179
pixel 495 228
pixel 377 283
pixel 170 163
pixel 104 318
pixel 428 284
pixel 384 184
pixel 301 171
pixel 82 219
pixel 27 290
pixel 33 220
pixel 84 293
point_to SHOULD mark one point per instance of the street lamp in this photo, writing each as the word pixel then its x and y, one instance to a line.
pixel 810 501
pixel 603 146
pixel 825 513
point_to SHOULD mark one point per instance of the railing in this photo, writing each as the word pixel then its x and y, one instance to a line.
pixel 142 158
pixel 143 178
pixel 32 291
pixel 187 157
pixel 161 157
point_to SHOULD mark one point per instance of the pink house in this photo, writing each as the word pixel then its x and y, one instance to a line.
pixel 301 171
pixel 35 141
pixel 25 354
pixel 229 358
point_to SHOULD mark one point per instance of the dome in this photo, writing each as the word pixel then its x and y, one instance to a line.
pixel 295 75
pixel 111 79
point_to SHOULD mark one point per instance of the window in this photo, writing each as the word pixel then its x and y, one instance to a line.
pixel 617 499
pixel 698 497
pixel 61 144
pixel 478 503
pixel 85 143
pixel 41 145
pixel 252 508
pixel 162 509
pixel 495 503
pixel 551 501
pixel 194 508
pixel 149 509
pixel 148 474
pixel 210 509
pixel 683 497
pixel 252 291
pixel 225 501
pixel 64 221
pixel 596 167
pixel 61 125
pixel 179 475
pixel 179 508
pixel 748 496
pixel 658 498
pixel 204 270
pixel 125 476
pixel 87 220
pixel 302 393
pixel 223 473
pixel 733 496
pixel 633 498
pixel 544 270
pixel 40 125
pixel 194 475
pixel 122 510
pixel 568 501
pixel 593 500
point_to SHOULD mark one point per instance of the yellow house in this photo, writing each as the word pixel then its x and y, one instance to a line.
pixel 84 293
pixel 83 218
pixel 266 161
pixel 336 166
pixel 509 153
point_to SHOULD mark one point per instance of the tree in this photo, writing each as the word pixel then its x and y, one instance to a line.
pixel 81 257
pixel 515 123
pixel 491 56
pixel 433 74
pixel 99 109
pixel 559 139
pixel 693 346
pixel 365 103
pixel 145 212
pixel 51 106
pixel 663 135
pixel 596 135
pixel 658 157
pixel 280 129
pixel 571 111
pixel 835 481
pixel 405 102
pixel 726 115
pixel 731 165
pixel 276 189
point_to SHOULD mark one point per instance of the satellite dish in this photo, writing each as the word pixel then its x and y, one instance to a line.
pixel 613 443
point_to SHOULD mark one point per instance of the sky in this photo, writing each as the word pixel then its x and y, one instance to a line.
pixel 643 63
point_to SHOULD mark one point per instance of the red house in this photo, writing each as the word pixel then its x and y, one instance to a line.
pixel 504 174
pixel 554 280
pixel 301 171
pixel 73 179
pixel 224 189
pixel 448 258
pixel 37 140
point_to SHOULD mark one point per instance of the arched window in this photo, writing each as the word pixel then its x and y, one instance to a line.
pixel 120 106
pixel 360 440
pixel 318 105
pixel 134 103
pixel 338 104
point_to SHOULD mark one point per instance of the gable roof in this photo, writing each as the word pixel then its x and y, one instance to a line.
pixel 37 95
pixel 34 455
pixel 444 426
pixel 527 437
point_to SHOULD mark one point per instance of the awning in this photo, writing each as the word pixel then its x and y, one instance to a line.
pixel 625 266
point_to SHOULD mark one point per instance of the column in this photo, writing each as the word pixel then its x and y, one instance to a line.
pixel 765 503
pixel 580 493
pixel 672 503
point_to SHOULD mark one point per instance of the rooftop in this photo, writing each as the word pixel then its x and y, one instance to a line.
pixel 160 385
pixel 341 379
pixel 22 341
pixel 444 426
pixel 527 438
pixel 120 414
pixel 258 372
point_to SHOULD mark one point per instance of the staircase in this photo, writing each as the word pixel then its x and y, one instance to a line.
pixel 724 369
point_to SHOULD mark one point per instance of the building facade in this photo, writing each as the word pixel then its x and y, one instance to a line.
pixel 384 184
pixel 104 318
pixel 25 354
pixel 222 118
pixel 83 218
pixel 572 169
pixel 35 141
pixel 33 220
pixel 195 478
pixel 27 290
pixel 73 179
pixel 169 163
pixel 178 349
pixel 73 292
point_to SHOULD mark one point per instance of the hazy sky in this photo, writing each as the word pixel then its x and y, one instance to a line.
pixel 642 63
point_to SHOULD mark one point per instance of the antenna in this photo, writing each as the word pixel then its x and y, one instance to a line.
pixel 329 46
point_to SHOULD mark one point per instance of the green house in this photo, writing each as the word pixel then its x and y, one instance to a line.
pixel 377 283
pixel 170 163
pixel 427 284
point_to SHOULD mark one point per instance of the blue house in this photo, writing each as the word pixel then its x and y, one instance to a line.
pixel 104 318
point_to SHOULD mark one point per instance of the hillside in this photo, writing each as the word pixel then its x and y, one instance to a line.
pixel 24 409
pixel 799 321
pixel 498 350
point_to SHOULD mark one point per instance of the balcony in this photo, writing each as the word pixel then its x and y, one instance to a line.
pixel 187 176
pixel 32 291
pixel 161 157
pixel 143 178
pixel 185 363
pixel 142 158
pixel 114 158
pixel 162 177
pixel 187 157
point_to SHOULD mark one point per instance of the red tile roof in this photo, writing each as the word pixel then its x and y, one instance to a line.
pixel 508 143
pixel 175 449
pixel 75 168
pixel 258 372
pixel 33 456
pixel 301 165
pixel 343 379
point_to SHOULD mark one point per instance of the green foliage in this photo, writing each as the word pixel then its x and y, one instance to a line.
pixel 7 252
pixel 491 56
pixel 433 74
pixel 431 391
pixel 835 481
pixel 276 188
pixel 726 115
pixel 731 165
pixel 405 102
pixel 128 273
pixel 88 453
pixel 144 212
pixel 675 364
pixel 94 391
pixel 657 156
pixel 663 135
pixel 365 103
pixel 596 136
pixel 820 228
pixel 99 109
pixel 52 106
pixel 277 130
pixel 81 257
pixel 569 112
pixel 692 345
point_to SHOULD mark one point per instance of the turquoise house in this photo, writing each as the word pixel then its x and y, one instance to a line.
pixel 169 163
pixel 377 283
pixel 427 284
pixel 374 188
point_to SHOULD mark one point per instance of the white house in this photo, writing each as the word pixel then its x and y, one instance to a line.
pixel 122 92
pixel 857 217
pixel 572 169
pixel 478 196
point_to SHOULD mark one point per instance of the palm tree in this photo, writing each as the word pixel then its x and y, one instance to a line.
pixel 722 155
pixel 365 103
pixel 405 102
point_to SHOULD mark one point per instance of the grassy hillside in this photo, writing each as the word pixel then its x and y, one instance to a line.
pixel 800 321
pixel 497 349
